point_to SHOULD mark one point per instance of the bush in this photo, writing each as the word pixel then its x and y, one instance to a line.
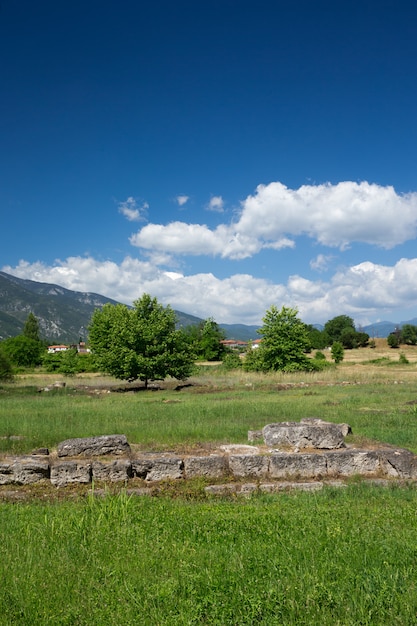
pixel 232 361
pixel 338 352
pixel 6 370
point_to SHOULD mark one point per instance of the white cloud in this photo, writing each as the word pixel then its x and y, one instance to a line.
pixel 332 215
pixel 130 209
pixel 181 200
pixel 216 204
pixel 365 292
pixel 321 262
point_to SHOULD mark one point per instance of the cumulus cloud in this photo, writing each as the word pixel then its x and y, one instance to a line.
pixel 366 291
pixel 216 204
pixel 130 209
pixel 332 215
pixel 181 200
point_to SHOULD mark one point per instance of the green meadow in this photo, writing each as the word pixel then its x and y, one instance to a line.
pixel 343 556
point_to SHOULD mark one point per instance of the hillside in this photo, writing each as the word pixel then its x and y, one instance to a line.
pixel 63 314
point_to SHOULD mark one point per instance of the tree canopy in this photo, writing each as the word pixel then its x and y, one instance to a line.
pixel 284 343
pixel 140 342
pixel 31 327
pixel 206 340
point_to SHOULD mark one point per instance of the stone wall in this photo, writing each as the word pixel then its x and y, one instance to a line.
pixel 110 459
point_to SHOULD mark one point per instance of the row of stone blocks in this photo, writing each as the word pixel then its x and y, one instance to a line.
pixel 392 463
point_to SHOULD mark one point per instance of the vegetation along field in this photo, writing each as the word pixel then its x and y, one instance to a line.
pixel 339 556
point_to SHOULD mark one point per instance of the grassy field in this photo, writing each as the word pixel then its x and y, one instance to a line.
pixel 335 557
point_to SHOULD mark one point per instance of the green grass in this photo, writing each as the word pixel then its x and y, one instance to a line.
pixel 337 557
pixel 214 412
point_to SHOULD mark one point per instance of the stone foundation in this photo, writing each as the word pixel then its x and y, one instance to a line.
pixel 92 459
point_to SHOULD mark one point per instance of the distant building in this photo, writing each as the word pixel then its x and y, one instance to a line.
pixel 234 344
pixel 59 348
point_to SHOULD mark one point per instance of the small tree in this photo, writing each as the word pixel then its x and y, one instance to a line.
pixel 338 352
pixel 31 328
pixel 393 340
pixel 409 334
pixel 6 370
pixel 140 343
pixel 284 342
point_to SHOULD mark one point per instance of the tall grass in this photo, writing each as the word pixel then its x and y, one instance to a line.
pixel 337 557
pixel 210 411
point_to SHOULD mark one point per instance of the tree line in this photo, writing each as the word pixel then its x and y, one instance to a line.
pixel 143 343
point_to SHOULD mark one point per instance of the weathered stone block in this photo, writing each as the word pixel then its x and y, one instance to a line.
pixel 213 466
pixel 166 468
pixel 6 473
pixel 141 467
pixel 94 446
pixel 248 465
pixel 351 462
pixel 311 433
pixel 283 465
pixel 398 463
pixel 67 472
pixel 114 471
pixel 29 470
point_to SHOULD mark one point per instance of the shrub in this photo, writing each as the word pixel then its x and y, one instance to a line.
pixel 232 361
pixel 338 352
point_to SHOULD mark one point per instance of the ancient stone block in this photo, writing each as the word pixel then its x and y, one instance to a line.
pixel 283 465
pixel 166 468
pixel 141 467
pixel 351 462
pixel 113 471
pixel 310 434
pixel 29 470
pixel 398 463
pixel 6 473
pixel 248 465
pixel 94 446
pixel 213 466
pixel 67 472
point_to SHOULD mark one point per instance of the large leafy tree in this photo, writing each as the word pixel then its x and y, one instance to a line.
pixel 342 329
pixel 140 343
pixel 337 325
pixel 22 351
pixel 284 342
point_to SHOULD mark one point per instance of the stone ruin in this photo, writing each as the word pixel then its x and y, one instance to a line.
pixel 307 454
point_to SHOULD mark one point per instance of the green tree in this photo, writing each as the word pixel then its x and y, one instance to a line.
pixel 337 325
pixel 348 338
pixel 284 342
pixel 393 340
pixel 140 343
pixel 31 328
pixel 409 334
pixel 319 339
pixel 338 352
pixel 6 370
pixel 206 340
pixel 23 351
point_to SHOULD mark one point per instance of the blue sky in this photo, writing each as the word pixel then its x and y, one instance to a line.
pixel 223 156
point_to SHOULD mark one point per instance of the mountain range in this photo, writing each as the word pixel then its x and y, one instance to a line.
pixel 64 315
